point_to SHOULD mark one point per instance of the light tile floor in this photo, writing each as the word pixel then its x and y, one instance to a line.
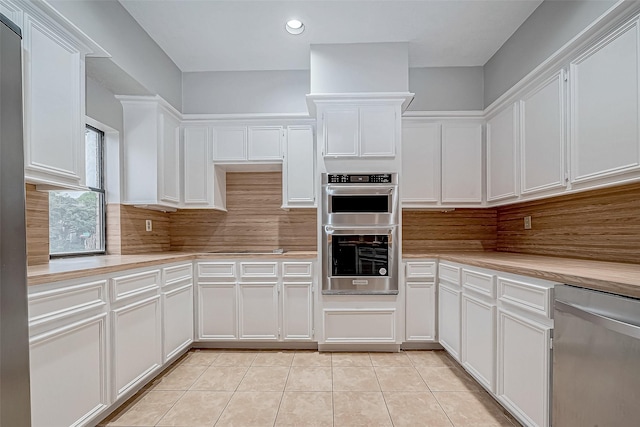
pixel 307 388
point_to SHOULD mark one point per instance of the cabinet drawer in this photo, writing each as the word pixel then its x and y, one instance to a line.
pixel 479 282
pixel 67 301
pixel 259 269
pixel 124 287
pixel 421 270
pixel 224 270
pixel 177 273
pixel 296 269
pixel 527 296
pixel 449 273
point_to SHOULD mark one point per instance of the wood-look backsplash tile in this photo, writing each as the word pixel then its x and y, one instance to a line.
pixel 254 220
pixel 600 224
pixel 426 231
pixel 134 238
pixel 37 220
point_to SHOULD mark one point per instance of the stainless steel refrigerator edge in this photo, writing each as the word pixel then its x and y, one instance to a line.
pixel 15 408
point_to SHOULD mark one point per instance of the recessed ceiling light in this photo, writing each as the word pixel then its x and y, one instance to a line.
pixel 294 26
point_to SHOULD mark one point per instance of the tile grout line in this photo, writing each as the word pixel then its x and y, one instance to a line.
pixel 381 392
pixel 283 389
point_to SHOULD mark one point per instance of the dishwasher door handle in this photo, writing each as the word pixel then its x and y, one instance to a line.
pixel 599 319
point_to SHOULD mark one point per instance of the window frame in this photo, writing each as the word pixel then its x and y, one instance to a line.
pixel 102 196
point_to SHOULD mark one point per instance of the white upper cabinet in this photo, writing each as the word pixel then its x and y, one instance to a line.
pixel 360 131
pixel 54 94
pixel 461 163
pixel 604 108
pixel 502 145
pixel 230 144
pixel 378 131
pixel 341 132
pixel 151 152
pixel 204 187
pixel 542 137
pixel 420 184
pixel 240 144
pixel 265 143
pixel 299 168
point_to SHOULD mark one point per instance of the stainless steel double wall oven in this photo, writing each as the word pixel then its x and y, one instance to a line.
pixel 360 221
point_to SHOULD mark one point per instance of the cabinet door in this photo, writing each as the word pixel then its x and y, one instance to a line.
pixel 340 128
pixel 604 108
pixel 217 313
pixel 53 105
pixel 420 311
pixel 198 168
pixel 462 163
pixel 265 143
pixel 258 309
pixel 69 374
pixel 229 144
pixel 169 159
pixel 542 130
pixel 297 311
pixel 136 344
pixel 177 320
pixel 420 163
pixel 378 125
pixel 449 320
pixel 478 340
pixel 524 367
pixel 502 146
pixel 299 168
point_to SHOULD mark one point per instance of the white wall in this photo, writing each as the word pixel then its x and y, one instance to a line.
pixel 446 88
pixel 225 92
pixel 359 67
pixel 546 30
pixel 111 26
pixel 243 92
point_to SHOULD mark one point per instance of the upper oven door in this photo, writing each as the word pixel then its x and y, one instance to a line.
pixel 359 205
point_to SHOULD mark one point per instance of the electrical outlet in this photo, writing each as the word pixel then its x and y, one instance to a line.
pixel 148 225
pixel 527 222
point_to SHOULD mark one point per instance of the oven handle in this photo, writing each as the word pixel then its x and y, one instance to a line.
pixel 359 230
pixel 361 190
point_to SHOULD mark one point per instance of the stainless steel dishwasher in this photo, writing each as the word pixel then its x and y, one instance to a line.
pixel 596 359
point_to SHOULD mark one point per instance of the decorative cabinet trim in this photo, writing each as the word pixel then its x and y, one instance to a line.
pixel 131 285
pixel 350 325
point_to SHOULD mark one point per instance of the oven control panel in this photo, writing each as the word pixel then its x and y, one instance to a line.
pixel 381 178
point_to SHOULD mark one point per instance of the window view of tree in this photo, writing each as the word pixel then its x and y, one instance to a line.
pixel 76 218
pixel 75 221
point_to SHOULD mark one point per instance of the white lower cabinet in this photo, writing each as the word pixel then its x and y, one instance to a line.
pixel 420 301
pixel 524 361
pixel 258 311
pixel 136 343
pixel 68 354
pixel 297 311
pixel 177 322
pixel 255 301
pixel 501 326
pixel 177 309
pixel 217 312
pixel 478 339
pixel 449 319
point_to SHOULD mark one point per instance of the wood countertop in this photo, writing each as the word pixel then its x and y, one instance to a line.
pixel 76 268
pixel 614 277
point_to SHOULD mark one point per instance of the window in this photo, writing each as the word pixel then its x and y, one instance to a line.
pixel 77 218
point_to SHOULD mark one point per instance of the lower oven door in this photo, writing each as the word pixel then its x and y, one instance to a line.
pixel 360 261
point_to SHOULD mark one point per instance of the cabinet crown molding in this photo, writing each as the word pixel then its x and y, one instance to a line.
pixel 315 99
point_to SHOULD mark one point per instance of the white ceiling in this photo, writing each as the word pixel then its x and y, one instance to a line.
pixel 217 35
